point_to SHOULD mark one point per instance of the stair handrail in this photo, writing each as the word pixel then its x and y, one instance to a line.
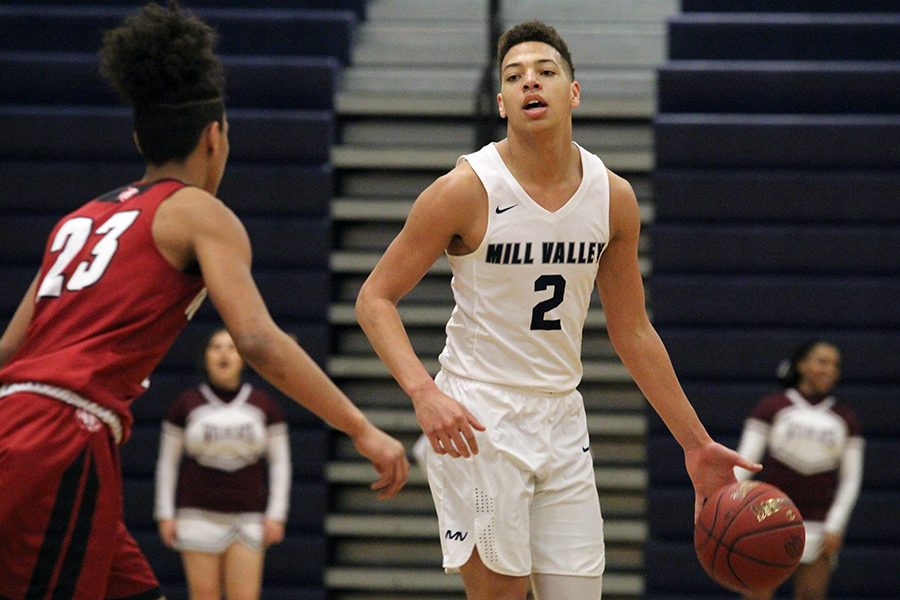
pixel 485 106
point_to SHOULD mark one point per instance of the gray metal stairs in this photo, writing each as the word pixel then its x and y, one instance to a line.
pixel 406 108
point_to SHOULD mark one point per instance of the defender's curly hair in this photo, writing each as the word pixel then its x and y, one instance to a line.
pixel 161 62
pixel 534 31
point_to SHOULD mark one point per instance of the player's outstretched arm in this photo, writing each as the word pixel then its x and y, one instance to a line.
pixel 621 289
pixel 195 226
pixel 439 217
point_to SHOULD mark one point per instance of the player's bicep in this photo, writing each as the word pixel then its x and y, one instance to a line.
pixel 222 249
pixel 619 280
pixel 425 236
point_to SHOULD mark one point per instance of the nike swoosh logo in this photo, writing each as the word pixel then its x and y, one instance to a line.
pixel 583 449
pixel 500 211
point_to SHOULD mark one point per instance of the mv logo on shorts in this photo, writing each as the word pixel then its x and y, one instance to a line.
pixel 458 536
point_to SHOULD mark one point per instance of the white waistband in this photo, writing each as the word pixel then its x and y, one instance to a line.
pixel 69 397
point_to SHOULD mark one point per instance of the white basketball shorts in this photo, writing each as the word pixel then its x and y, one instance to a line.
pixel 212 532
pixel 528 500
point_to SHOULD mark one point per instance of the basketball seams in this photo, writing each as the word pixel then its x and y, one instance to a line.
pixel 748 566
pixel 760 490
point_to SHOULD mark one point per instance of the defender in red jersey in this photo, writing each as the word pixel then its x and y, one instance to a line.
pixel 119 279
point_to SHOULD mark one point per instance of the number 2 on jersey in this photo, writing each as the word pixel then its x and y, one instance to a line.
pixel 70 239
pixel 538 313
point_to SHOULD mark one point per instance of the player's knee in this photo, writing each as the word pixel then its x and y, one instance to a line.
pixel 571 587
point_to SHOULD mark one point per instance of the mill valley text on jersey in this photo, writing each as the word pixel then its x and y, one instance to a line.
pixel 548 253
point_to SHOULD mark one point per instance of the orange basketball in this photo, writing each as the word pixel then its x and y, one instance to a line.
pixel 749 537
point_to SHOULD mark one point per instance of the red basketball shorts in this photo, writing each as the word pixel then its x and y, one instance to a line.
pixel 61 528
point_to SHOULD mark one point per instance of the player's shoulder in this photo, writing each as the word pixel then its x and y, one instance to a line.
pixel 198 210
pixel 456 189
pixel 460 180
pixel 620 189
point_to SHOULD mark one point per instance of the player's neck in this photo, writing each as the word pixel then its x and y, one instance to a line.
pixel 190 171
pixel 539 158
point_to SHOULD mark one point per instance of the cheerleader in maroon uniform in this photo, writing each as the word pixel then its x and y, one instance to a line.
pixel 223 477
pixel 814 453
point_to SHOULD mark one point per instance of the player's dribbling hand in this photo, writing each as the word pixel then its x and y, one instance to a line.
pixel 710 467
pixel 388 457
pixel 447 424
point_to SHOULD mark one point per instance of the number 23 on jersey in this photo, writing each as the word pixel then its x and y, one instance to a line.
pixel 70 239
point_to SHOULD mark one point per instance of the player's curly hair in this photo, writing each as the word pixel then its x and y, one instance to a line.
pixel 533 31
pixel 161 62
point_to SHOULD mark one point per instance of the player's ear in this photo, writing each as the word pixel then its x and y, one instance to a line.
pixel 137 142
pixel 211 135
pixel 575 94
pixel 500 106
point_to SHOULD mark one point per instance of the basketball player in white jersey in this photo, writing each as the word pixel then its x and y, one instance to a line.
pixel 530 224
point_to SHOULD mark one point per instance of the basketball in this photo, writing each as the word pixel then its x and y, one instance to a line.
pixel 749 537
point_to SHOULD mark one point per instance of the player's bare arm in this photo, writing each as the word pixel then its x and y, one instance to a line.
pixel 710 465
pixel 195 226
pixel 18 325
pixel 450 215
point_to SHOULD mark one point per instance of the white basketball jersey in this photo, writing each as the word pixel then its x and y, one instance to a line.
pixel 522 297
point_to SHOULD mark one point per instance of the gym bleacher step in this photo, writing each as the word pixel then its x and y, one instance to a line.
pixel 434 580
pixel 785 36
pixel 395 209
pixel 790 6
pixel 609 425
pixel 608 478
pixel 365 366
pixel 735 86
pixel 419 315
pixel 363 262
pixel 654 11
pixel 632 531
pixel 744 141
pixel 597 45
pixel 443 159
pixel 242 30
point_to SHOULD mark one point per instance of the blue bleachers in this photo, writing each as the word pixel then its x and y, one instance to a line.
pixel 784 36
pixel 767 196
pixel 53 187
pixel 742 141
pixel 792 6
pixel 777 220
pixel 55 78
pixel 104 133
pixel 727 86
pixel 772 249
pixel 772 301
pixel 243 31
pixel 357 6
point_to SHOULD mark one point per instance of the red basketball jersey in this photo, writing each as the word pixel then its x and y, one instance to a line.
pixel 108 305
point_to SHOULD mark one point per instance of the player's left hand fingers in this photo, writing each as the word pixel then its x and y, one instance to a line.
pixel 393 477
